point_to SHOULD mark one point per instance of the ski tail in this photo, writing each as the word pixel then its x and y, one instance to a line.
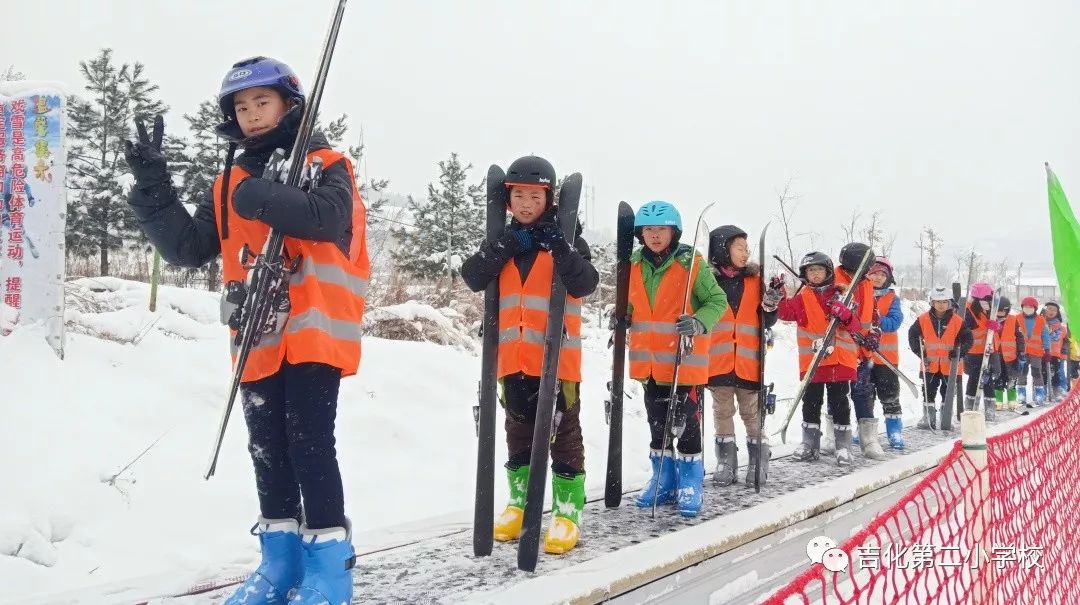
pixel 624 245
pixel 484 411
pixel 529 542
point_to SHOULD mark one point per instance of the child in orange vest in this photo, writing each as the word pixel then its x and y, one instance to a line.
pixel 811 308
pixel 1036 344
pixel 659 325
pixel 1054 359
pixel 531 250
pixel 734 364
pixel 940 337
pixel 290 384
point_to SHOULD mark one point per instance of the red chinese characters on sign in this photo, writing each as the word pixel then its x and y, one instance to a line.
pixel 16 236
pixel 13 292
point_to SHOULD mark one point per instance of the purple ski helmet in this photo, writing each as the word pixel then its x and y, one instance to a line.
pixel 981 291
pixel 258 71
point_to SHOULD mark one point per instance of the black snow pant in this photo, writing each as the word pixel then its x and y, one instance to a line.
pixel 1074 371
pixel 839 408
pixel 876 382
pixel 290 418
pixel 1054 374
pixel 657 399
pixel 519 396
pixel 938 383
pixel 972 366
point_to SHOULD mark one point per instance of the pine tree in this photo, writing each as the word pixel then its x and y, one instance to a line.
pixel 447 227
pixel 99 219
pixel 11 74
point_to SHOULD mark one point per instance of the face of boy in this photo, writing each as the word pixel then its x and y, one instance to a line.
pixel 258 109
pixel 878 278
pixel 941 306
pixel 657 237
pixel 1028 310
pixel 739 252
pixel 815 274
pixel 527 203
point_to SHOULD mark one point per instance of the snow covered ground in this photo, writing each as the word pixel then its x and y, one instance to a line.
pixel 405 438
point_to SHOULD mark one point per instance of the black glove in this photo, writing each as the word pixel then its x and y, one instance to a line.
pixel 549 237
pixel 688 325
pixel 144 156
pixel 514 242
pixel 614 322
pixel 953 353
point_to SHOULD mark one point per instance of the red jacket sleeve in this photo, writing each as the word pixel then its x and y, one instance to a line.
pixel 792 309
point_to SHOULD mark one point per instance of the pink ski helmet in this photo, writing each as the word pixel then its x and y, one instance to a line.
pixel 981 290
pixel 881 263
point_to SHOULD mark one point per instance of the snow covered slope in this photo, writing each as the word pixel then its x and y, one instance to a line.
pixel 405 438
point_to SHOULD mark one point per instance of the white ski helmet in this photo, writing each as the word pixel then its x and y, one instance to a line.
pixel 940 293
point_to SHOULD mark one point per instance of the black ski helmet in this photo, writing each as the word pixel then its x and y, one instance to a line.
pixel 817 258
pixel 1004 304
pixel 852 254
pixel 719 239
pixel 532 170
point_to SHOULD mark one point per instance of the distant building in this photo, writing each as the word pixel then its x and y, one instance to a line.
pixel 1042 288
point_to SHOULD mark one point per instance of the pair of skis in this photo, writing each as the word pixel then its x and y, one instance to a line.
pixel 951 395
pixel 484 413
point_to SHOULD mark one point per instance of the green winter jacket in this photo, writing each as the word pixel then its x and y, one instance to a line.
pixel 707 299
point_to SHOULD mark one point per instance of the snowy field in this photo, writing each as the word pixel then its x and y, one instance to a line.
pixel 405 439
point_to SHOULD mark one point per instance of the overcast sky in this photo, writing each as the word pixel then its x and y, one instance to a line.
pixel 935 112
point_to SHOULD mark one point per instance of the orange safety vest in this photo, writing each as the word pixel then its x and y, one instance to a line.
pixel 862 296
pixel 890 341
pixel 326 292
pixel 523 319
pixel 936 348
pixel 1057 347
pixel 978 334
pixel 736 342
pixel 653 340
pixel 845 351
pixel 1006 343
pixel 1033 344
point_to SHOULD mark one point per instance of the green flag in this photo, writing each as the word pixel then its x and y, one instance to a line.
pixel 1065 233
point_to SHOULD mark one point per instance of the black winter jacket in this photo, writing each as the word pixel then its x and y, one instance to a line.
pixel 573 265
pixel 323 214
pixel 963 338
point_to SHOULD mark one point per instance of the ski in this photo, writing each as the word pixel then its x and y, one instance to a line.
pixel 683 347
pixel 954 364
pixel 529 542
pixel 980 393
pixel 624 245
pixel 484 411
pixel 264 295
pixel 764 393
pixel 822 351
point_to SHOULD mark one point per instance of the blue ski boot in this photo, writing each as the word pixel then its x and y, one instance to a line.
pixel 282 565
pixel 691 476
pixel 894 428
pixel 1040 396
pixel 667 477
pixel 1021 395
pixel 328 563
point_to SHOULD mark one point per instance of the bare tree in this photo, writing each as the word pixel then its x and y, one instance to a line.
pixel 873 232
pixel 788 201
pixel 921 247
pixel 851 229
pixel 1000 275
pixel 976 266
pixel 888 244
pixel 932 246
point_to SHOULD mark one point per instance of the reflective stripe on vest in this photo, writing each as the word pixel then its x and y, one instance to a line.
pixel 1033 344
pixel 845 351
pixel 326 293
pixel 978 334
pixel 736 342
pixel 653 339
pixel 936 348
pixel 890 341
pixel 523 319
pixel 1006 343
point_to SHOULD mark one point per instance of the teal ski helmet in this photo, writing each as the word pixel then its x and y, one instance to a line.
pixel 658 213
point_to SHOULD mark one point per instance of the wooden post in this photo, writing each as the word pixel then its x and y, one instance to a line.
pixel 980 507
pixel 155 277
